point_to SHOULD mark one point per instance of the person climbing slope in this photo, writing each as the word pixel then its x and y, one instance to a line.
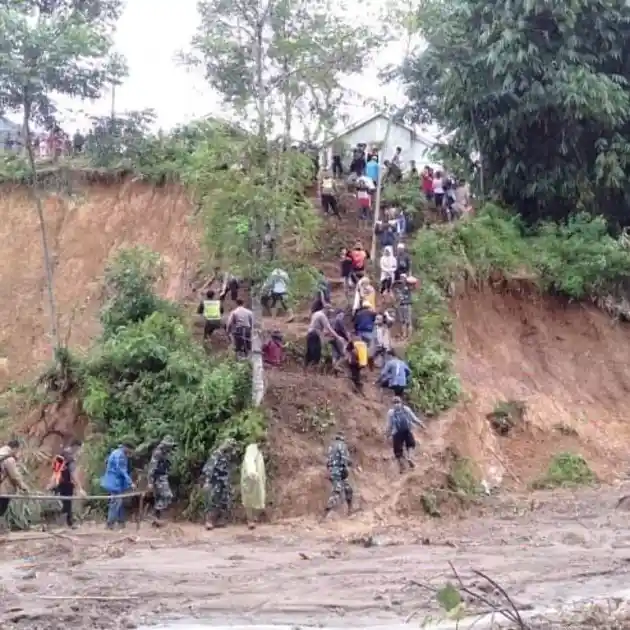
pixel 318 326
pixel 400 420
pixel 338 323
pixel 359 257
pixel 381 339
pixel 345 270
pixel 402 291
pixel 212 311
pixel 364 292
pixel 338 464
pixel 216 483
pixel 275 291
pixel 157 477
pixel 239 325
pixel 364 320
pixel 395 374
pixel 403 262
pixel 329 194
pixel 388 266
pixel 357 358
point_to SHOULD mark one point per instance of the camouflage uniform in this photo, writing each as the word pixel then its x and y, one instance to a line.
pixel 338 464
pixel 216 482
pixel 158 473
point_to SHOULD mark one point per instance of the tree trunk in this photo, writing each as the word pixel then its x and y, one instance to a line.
pixel 261 97
pixel 377 199
pixel 50 293
pixel 258 368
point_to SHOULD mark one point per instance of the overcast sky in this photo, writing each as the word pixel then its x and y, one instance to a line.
pixel 150 33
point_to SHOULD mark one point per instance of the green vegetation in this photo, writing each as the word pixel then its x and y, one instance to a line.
pixel 566 470
pixel 578 259
pixel 540 92
pixel 147 377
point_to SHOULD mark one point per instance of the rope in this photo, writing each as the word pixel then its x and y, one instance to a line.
pixel 58 497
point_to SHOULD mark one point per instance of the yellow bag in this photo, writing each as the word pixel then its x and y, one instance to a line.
pixel 362 353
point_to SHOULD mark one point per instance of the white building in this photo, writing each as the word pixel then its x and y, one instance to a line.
pixel 371 131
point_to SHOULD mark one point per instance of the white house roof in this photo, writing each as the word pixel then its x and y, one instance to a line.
pixel 366 121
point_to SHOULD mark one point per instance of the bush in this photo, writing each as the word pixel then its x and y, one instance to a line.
pixel 406 195
pixel 147 377
pixel 566 470
pixel 430 353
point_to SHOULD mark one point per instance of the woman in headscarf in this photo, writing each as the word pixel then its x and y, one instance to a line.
pixel 388 266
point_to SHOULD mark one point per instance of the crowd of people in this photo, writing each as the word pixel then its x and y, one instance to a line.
pixel 51 144
pixel 357 334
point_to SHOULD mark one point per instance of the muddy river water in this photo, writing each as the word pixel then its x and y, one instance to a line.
pixel 548 553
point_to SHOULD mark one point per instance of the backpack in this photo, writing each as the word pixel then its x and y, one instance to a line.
pixel 401 420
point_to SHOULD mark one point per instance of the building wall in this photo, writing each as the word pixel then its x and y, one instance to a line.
pixel 374 133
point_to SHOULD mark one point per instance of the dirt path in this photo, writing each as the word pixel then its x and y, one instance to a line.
pixel 546 551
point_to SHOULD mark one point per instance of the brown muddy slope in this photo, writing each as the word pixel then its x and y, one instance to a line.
pixel 567 362
pixel 83 232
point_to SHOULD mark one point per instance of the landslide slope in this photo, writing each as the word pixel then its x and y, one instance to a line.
pixel 84 230
pixel 565 362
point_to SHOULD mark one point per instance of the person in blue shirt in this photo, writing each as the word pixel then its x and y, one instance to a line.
pixel 364 322
pixel 116 481
pixel 372 168
pixel 395 374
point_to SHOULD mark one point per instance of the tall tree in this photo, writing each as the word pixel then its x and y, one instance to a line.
pixel 256 197
pixel 274 55
pixel 541 90
pixel 48 48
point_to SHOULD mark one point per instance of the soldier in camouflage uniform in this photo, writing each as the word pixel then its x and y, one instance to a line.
pixel 216 482
pixel 157 477
pixel 338 465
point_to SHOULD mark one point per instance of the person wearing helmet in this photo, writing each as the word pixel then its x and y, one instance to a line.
pixel 157 477
pixel 338 464
pixel 216 483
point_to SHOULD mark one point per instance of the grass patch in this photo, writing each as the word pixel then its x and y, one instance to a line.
pixel 566 470
pixel 506 415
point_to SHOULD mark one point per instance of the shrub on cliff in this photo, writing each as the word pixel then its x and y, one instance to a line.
pixel 148 377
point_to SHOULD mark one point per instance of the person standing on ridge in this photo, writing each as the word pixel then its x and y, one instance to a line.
pixel 338 464
pixel 65 479
pixel 216 483
pixel 400 420
pixel 157 477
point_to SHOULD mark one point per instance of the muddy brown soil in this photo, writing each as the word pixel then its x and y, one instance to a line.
pixel 545 550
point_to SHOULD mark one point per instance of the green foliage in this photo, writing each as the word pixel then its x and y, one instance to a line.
pixel 61 49
pixel 147 377
pixel 430 353
pixel 258 198
pixel 463 478
pixel 406 195
pixel 449 598
pixel 130 278
pixel 567 470
pixel 578 258
pixel 541 92
pixel 286 56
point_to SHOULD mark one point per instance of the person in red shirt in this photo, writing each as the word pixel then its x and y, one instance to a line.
pixel 273 350
pixel 427 182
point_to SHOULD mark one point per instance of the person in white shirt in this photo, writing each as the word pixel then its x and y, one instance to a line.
pixel 438 188
pixel 388 266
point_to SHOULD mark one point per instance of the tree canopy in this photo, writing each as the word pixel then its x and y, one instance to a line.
pixel 540 90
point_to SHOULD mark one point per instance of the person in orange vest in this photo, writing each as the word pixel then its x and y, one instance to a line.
pixel 65 480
